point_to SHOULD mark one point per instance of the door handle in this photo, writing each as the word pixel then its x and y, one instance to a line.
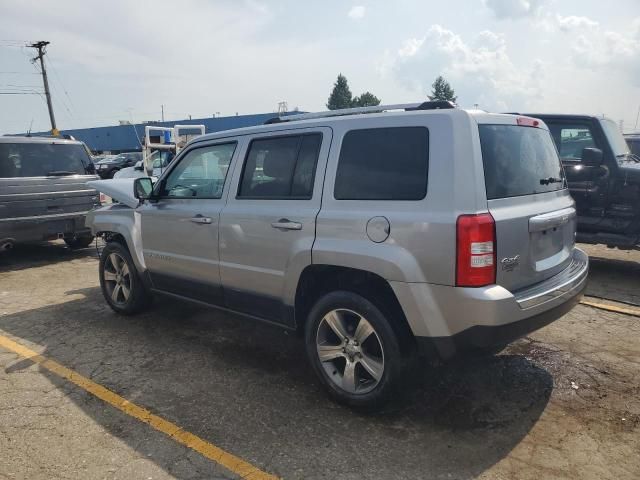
pixel 286 224
pixel 200 219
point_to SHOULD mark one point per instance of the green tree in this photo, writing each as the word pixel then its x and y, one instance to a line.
pixel 340 95
pixel 441 90
pixel 367 99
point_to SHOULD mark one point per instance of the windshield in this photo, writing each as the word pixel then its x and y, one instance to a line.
pixel 519 161
pixel 614 135
pixel 42 159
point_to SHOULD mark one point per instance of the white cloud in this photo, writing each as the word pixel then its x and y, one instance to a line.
pixel 610 51
pixel 411 47
pixel 357 12
pixel 480 71
pixel 572 22
pixel 504 9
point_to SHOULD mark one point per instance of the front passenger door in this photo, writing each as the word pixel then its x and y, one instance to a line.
pixel 180 227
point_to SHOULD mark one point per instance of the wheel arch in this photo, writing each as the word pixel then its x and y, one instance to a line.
pixel 119 223
pixel 317 280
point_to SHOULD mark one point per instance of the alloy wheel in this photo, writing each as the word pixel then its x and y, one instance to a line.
pixel 350 351
pixel 117 279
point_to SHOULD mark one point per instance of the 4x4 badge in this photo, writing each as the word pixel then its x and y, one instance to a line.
pixel 509 263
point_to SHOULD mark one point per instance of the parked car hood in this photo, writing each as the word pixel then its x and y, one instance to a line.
pixel 120 189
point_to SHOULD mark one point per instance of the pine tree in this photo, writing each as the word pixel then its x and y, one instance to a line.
pixel 441 90
pixel 367 99
pixel 340 95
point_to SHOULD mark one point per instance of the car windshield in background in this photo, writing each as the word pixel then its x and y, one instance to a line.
pixel 616 140
pixel 41 160
pixel 519 161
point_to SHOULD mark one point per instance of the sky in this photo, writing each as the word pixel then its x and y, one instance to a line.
pixel 122 60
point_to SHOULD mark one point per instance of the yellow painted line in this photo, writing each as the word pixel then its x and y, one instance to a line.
pixel 173 431
pixel 612 308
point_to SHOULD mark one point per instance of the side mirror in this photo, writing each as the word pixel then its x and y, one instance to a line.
pixel 592 157
pixel 142 188
pixel 91 168
pixel 139 166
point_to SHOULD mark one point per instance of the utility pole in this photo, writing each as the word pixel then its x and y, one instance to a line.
pixel 40 46
pixel 162 107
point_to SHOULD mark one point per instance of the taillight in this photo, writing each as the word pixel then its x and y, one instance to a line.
pixel 476 250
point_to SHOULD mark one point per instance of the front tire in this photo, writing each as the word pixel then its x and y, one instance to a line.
pixel 120 282
pixel 353 350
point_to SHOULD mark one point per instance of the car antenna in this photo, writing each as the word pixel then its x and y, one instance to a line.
pixel 29 130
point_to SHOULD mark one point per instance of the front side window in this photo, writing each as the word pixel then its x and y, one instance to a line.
pixel 201 173
pixel 572 139
pixel 281 167
pixel 42 159
pixel 383 164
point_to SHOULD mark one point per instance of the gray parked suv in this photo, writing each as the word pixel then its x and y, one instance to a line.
pixel 44 192
pixel 375 233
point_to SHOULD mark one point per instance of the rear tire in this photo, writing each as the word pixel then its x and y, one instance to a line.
pixel 120 282
pixel 361 364
pixel 79 242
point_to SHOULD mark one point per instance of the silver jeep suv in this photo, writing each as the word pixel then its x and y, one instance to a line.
pixel 378 233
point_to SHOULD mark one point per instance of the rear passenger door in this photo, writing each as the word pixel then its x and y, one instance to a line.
pixel 267 228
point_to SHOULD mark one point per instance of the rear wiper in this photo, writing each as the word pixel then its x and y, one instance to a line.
pixel 547 181
pixel 60 173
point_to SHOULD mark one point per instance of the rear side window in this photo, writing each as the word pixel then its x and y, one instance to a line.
pixel 281 167
pixel 383 164
pixel 42 159
pixel 519 161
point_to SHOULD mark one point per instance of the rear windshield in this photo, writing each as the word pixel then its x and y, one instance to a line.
pixel 519 161
pixel 42 159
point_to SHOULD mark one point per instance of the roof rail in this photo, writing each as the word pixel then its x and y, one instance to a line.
pixel 432 105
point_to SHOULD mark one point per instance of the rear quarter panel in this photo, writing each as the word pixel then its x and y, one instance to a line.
pixel 421 243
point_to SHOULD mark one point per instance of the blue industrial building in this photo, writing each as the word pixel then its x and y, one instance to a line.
pixel 128 138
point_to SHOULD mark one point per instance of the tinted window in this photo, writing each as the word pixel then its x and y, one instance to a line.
pixel 281 167
pixel 572 139
pixel 201 173
pixel 383 164
pixel 519 161
pixel 42 159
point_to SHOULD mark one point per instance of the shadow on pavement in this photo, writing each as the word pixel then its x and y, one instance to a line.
pixel 614 279
pixel 24 256
pixel 248 389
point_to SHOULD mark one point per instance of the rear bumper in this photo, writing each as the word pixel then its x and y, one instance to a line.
pixel 43 227
pixel 483 336
pixel 448 320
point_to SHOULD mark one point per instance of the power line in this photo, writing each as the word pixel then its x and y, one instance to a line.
pixel 59 80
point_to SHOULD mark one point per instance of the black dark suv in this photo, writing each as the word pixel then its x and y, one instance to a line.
pixel 603 176
pixel 107 167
